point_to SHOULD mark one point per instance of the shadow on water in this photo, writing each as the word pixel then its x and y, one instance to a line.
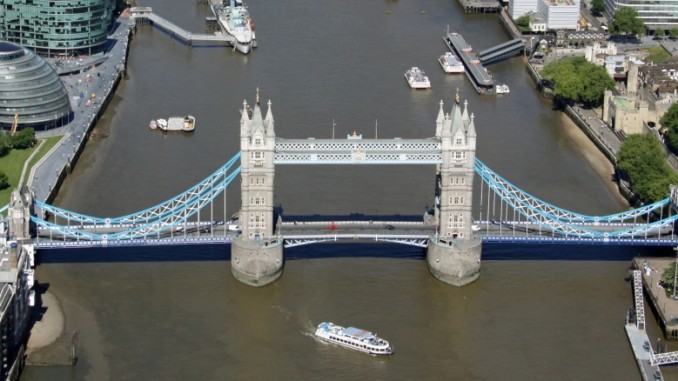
pixel 492 252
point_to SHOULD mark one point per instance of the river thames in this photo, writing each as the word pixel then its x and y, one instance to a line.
pixel 536 312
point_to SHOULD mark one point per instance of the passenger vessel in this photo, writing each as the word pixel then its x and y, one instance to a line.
pixel 417 79
pixel 450 63
pixel 234 19
pixel 353 338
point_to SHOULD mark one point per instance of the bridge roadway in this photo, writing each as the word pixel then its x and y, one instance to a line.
pixel 176 31
pixel 297 233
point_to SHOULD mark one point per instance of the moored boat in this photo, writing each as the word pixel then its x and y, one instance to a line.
pixel 417 79
pixel 234 19
pixel 162 124
pixel 153 125
pixel 450 63
pixel 189 123
pixel 502 89
pixel 353 338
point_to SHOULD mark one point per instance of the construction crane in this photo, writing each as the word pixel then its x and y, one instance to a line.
pixel 14 125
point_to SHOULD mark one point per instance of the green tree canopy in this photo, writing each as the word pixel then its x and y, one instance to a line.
pixel 4 180
pixel 523 21
pixel 23 139
pixel 5 146
pixel 626 22
pixel 577 80
pixel 659 33
pixel 673 32
pixel 597 6
pixel 643 160
pixel 669 124
pixel 668 277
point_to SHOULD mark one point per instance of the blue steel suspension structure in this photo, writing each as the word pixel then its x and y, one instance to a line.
pixel 148 223
pixel 541 221
pixel 620 228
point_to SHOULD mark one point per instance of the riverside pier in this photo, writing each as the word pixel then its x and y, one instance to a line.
pixel 475 71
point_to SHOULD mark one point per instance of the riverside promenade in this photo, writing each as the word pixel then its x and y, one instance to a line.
pixel 90 82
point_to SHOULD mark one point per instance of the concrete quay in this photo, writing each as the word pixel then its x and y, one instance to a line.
pixel 90 82
pixel 666 309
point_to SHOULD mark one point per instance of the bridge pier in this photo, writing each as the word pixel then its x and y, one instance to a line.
pixel 456 262
pixel 256 263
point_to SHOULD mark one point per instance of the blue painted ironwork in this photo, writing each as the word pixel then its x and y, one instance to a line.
pixel 544 222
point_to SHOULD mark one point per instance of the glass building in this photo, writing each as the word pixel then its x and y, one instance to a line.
pixel 655 14
pixel 30 90
pixel 57 27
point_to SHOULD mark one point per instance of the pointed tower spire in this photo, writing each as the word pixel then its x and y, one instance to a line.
pixel 464 114
pixel 270 129
pixel 440 120
pixel 244 117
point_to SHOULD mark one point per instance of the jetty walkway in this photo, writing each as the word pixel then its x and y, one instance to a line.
pixel 202 39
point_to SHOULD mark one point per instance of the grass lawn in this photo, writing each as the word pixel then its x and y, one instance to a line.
pixel 13 163
pixel 657 54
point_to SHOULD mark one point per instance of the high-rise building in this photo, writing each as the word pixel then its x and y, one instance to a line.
pixel 560 14
pixel 57 27
pixel 655 14
pixel 518 8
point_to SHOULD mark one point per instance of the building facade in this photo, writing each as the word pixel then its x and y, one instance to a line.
pixel 518 8
pixel 656 14
pixel 31 92
pixel 57 27
pixel 560 14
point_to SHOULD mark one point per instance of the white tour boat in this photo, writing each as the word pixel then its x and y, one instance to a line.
pixel 354 338
pixel 502 89
pixel 234 19
pixel 417 79
pixel 450 63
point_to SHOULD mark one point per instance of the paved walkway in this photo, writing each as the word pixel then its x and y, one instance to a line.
pixel 89 85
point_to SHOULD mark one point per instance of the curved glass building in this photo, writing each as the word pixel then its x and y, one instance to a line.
pixel 57 27
pixel 30 89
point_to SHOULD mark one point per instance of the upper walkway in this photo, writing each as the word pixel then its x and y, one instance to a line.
pixel 502 51
pixel 146 13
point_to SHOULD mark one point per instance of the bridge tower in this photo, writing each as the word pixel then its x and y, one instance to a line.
pixel 453 254
pixel 20 211
pixel 256 254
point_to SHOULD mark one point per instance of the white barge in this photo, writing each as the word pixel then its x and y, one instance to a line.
pixel 176 123
pixel 354 338
pixel 417 79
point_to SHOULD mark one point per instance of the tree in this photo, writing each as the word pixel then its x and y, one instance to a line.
pixel 577 80
pixel 643 159
pixel 597 6
pixel 659 34
pixel 669 124
pixel 668 278
pixel 626 22
pixel 23 139
pixel 673 32
pixel 4 180
pixel 523 22
pixel 5 146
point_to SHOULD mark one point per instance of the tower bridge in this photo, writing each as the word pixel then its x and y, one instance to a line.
pixel 449 231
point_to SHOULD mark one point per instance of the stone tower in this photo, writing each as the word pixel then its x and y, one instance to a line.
pixel 20 211
pixel 256 254
pixel 453 253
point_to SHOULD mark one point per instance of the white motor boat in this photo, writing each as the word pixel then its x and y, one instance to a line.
pixel 353 338
pixel 450 63
pixel 502 89
pixel 417 79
